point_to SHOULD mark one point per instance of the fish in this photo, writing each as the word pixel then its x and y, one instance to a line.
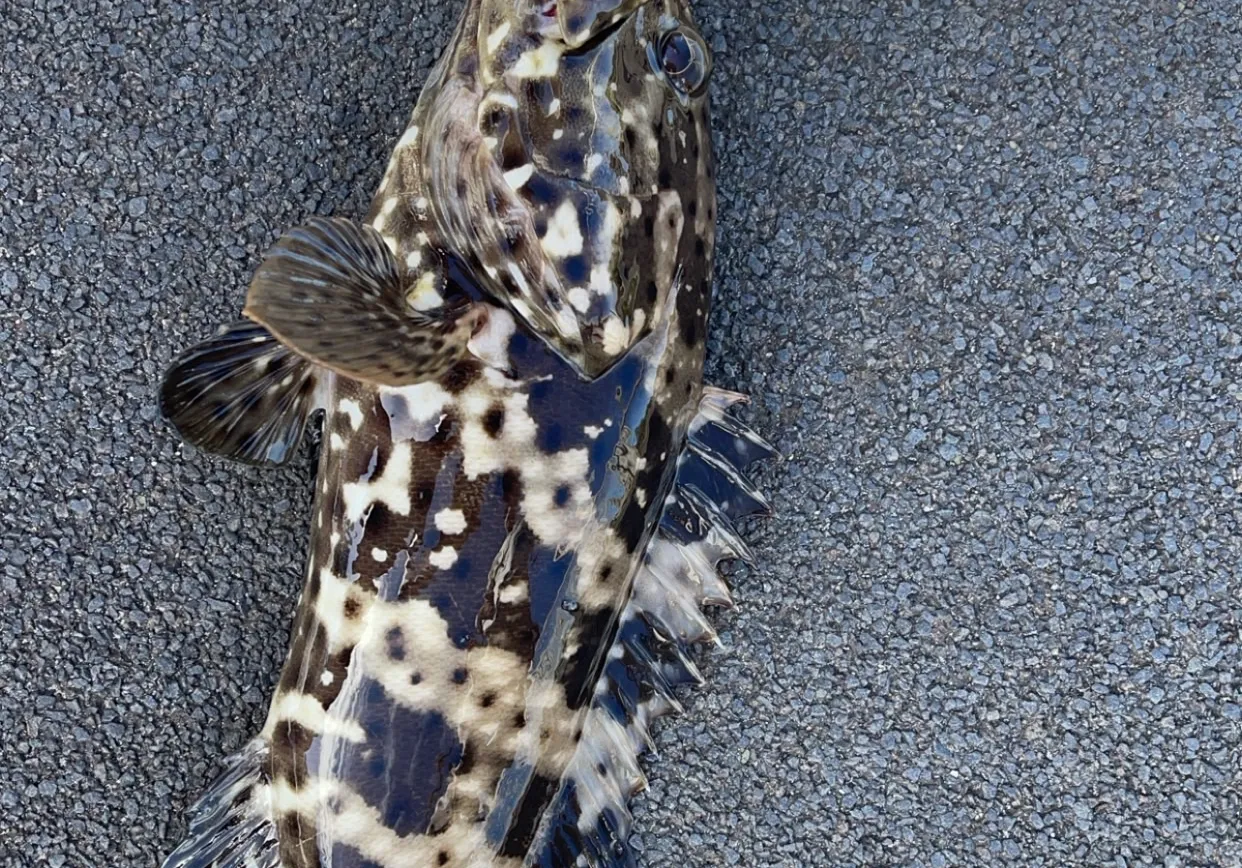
pixel 524 487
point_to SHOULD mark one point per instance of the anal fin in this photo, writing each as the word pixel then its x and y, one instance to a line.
pixel 231 824
pixel 588 822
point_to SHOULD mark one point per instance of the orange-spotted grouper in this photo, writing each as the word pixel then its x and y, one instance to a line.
pixel 524 487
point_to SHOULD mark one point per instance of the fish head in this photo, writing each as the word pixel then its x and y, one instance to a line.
pixel 569 151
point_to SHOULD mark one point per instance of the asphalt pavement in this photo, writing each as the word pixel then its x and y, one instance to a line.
pixel 978 271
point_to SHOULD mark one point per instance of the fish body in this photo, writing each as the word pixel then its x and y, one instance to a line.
pixel 524 488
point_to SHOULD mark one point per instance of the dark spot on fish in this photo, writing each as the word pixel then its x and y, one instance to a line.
pixel 562 495
pixel 462 187
pixel 459 676
pixel 690 330
pixel 416 678
pixel 292 843
pixel 379 524
pixel 633 525
pixel 292 735
pixel 606 573
pixel 576 268
pixel 653 291
pixel 467 760
pixel 539 190
pixel 494 421
pixel 513 153
pixel 519 719
pixel 630 142
pixel 396 644
pixel 693 208
pixel 493 119
pixel 340 559
pixel 459 377
pixel 551 437
pixel 669 376
pixel 700 249
pixel 511 484
pixel 442 857
pixel 487 699
pixel 351 608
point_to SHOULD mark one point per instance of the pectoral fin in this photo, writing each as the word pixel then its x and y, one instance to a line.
pixel 241 394
pixel 334 293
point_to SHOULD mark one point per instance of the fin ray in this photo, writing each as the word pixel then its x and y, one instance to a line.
pixel 588 822
pixel 231 825
pixel 241 394
pixel 333 292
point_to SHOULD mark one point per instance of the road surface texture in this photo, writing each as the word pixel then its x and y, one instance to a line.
pixel 979 272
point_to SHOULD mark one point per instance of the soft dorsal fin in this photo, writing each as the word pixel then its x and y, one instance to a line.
pixel 334 293
pixel 241 394
pixel 588 822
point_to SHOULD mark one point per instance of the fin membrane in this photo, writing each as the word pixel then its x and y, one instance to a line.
pixel 334 293
pixel 241 394
pixel 231 825
pixel 588 822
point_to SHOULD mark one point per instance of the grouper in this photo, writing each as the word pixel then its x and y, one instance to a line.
pixel 524 488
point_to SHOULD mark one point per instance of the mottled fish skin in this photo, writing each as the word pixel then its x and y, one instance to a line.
pixel 475 537
pixel 579 180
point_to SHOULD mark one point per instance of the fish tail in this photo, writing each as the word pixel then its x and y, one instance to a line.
pixel 232 825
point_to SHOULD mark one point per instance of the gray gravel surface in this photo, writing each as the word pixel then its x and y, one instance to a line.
pixel 979 273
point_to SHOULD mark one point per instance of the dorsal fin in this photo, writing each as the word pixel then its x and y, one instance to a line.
pixel 241 394
pixel 588 822
pixel 334 293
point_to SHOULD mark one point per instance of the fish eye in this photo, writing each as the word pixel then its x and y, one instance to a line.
pixel 675 54
pixel 683 59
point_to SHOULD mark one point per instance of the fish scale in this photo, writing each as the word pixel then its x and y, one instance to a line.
pixel 524 488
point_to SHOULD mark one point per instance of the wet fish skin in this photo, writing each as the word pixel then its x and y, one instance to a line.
pixel 524 487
